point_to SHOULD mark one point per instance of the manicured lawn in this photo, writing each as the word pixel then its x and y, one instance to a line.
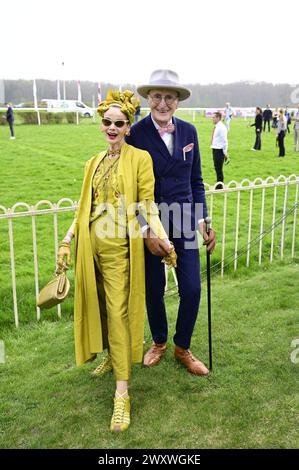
pixel 251 398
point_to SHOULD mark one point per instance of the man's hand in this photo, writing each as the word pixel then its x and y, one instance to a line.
pixel 226 159
pixel 155 245
pixel 209 239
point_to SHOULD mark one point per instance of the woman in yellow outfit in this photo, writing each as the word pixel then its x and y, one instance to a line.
pixel 109 252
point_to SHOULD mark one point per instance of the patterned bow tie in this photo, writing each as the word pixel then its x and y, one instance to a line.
pixel 168 129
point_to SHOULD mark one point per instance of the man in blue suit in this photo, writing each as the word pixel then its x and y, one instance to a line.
pixel 179 187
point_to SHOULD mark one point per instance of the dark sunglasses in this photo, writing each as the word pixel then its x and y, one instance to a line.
pixel 119 123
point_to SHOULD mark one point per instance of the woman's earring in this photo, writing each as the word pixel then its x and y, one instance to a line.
pixel 128 133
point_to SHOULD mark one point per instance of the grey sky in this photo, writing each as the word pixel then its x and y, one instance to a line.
pixel 123 41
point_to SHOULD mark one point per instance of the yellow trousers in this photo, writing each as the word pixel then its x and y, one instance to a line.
pixel 111 256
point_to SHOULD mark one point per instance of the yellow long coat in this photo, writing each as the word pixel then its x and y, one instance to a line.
pixel 136 183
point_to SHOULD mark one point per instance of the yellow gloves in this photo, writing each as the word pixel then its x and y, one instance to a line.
pixel 64 252
pixel 170 259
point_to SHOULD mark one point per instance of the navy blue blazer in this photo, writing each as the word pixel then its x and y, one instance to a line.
pixel 176 179
pixel 9 115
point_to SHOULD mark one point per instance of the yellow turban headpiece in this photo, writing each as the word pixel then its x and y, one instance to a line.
pixel 123 99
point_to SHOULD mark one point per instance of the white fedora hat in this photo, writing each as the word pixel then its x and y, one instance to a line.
pixel 164 79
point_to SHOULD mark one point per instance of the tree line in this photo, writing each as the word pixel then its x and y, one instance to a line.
pixel 241 94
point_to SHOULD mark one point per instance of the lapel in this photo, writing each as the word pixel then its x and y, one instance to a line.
pixel 156 141
pixel 94 165
pixel 177 139
pixel 124 170
pixel 86 193
pixel 177 149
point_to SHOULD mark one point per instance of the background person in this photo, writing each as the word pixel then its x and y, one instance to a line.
pixel 258 124
pixel 173 146
pixel 288 118
pixel 137 104
pixel 10 119
pixel 296 131
pixel 219 147
pixel 267 117
pixel 228 114
pixel 275 118
pixel 109 263
pixel 281 132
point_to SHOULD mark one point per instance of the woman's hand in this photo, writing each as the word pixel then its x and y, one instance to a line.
pixel 64 254
pixel 171 258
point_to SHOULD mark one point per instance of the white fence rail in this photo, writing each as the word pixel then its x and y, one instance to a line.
pixel 241 112
pixel 227 207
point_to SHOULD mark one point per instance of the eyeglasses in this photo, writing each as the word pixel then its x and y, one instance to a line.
pixel 157 98
pixel 119 123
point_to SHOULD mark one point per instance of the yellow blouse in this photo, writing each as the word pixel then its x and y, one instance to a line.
pixel 105 191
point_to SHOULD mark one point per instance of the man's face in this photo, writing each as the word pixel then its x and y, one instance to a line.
pixel 215 119
pixel 163 104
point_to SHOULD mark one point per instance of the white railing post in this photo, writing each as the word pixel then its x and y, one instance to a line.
pixel 273 223
pixel 237 230
pixel 13 272
pixel 249 226
pixel 56 248
pixel 35 261
pixel 262 226
pixel 211 206
pixel 286 191
pixel 294 223
pixel 223 234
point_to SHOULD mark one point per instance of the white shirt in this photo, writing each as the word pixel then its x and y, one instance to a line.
pixel 282 125
pixel 220 137
pixel 228 112
pixel 167 138
pixel 297 120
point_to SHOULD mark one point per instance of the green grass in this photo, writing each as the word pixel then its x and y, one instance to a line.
pixel 250 400
pixel 47 162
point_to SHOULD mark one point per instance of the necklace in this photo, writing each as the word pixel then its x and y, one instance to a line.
pixel 103 176
pixel 113 154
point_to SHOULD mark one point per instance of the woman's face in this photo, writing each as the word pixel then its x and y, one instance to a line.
pixel 115 125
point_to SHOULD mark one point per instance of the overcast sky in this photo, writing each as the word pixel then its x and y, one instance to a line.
pixel 123 41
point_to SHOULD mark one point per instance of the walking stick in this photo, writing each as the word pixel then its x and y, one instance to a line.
pixel 208 226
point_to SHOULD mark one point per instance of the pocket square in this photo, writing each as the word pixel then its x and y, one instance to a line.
pixel 187 148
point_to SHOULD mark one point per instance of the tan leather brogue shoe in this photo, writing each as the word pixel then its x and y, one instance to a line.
pixel 193 365
pixel 154 355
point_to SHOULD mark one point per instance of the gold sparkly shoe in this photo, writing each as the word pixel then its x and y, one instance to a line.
pixel 120 420
pixel 105 366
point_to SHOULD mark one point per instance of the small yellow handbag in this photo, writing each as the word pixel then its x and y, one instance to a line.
pixel 55 291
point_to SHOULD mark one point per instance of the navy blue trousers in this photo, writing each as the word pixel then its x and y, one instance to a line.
pixel 11 128
pixel 188 275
